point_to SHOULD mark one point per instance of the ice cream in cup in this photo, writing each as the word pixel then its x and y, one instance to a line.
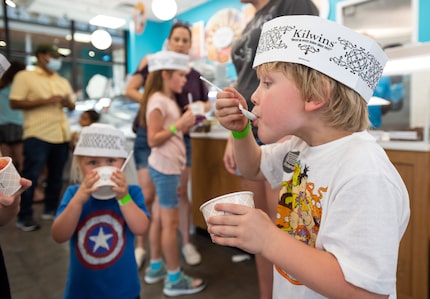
pixel 105 183
pixel 9 177
pixel 245 198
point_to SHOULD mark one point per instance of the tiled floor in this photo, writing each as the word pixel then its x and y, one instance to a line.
pixel 37 267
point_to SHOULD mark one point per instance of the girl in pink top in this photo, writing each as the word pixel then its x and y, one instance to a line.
pixel 165 123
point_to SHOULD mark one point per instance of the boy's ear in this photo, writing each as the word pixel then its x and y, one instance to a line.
pixel 313 104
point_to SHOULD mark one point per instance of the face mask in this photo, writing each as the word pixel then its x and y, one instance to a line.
pixel 54 65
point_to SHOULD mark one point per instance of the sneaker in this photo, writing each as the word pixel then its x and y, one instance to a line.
pixel 48 215
pixel 27 225
pixel 191 255
pixel 154 276
pixel 139 254
pixel 186 285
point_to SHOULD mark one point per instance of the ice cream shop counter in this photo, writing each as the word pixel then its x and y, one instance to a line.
pixel 209 178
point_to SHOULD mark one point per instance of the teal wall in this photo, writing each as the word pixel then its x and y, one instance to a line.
pixel 149 41
pixel 423 24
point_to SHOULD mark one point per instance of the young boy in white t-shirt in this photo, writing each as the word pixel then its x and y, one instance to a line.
pixel 343 208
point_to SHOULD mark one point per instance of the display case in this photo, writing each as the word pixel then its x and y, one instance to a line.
pixel 404 116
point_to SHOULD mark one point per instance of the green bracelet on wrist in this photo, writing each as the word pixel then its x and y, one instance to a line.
pixel 173 129
pixel 241 134
pixel 125 200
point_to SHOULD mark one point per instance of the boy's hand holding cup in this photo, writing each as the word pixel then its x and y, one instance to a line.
pixel 245 198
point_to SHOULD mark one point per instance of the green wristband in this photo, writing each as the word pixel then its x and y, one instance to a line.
pixel 125 200
pixel 242 134
pixel 173 129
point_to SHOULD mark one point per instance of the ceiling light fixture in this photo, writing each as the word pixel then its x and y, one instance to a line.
pixel 79 37
pixel 10 3
pixel 107 21
pixel 64 51
pixel 164 9
pixel 101 39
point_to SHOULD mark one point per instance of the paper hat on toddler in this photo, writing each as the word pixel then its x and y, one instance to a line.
pixel 101 140
pixel 330 48
pixel 168 60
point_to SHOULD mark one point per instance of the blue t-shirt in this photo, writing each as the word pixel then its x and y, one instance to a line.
pixel 102 262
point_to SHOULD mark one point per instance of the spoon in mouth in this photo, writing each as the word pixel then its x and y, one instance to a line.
pixel 248 114
pixel 251 116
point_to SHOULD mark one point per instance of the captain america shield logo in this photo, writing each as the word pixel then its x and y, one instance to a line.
pixel 100 240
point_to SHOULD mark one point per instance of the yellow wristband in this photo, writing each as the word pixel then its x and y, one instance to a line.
pixel 242 134
pixel 125 200
pixel 173 129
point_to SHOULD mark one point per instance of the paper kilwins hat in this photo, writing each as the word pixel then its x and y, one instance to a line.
pixel 101 140
pixel 168 60
pixel 330 48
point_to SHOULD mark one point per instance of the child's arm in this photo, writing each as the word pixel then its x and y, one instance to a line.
pixel 135 218
pixel 65 224
pixel 157 134
pixel 246 152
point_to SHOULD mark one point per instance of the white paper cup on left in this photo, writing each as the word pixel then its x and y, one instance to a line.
pixel 9 177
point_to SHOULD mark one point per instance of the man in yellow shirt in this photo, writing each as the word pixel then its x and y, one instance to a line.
pixel 42 94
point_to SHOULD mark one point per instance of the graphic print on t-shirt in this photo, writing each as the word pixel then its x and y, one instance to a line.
pixel 100 239
pixel 299 209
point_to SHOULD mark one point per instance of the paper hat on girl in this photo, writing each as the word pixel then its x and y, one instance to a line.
pixel 168 60
pixel 101 140
pixel 330 48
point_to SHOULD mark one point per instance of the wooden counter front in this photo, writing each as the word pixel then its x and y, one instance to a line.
pixel 209 178
pixel 413 266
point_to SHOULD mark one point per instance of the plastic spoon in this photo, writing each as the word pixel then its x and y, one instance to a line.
pixel 126 160
pixel 248 114
pixel 210 83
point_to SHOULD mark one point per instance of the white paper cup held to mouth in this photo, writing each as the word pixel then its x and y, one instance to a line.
pixel 104 183
pixel 9 177
pixel 197 108
pixel 245 198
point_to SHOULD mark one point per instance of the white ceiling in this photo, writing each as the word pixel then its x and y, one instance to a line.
pixel 389 21
pixel 84 10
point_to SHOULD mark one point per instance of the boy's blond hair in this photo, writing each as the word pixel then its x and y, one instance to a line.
pixel 345 109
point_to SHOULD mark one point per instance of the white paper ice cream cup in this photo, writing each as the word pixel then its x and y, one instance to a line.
pixel 197 108
pixel 104 184
pixel 245 198
pixel 9 178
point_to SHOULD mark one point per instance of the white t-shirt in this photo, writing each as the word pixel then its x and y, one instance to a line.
pixel 344 197
pixel 169 157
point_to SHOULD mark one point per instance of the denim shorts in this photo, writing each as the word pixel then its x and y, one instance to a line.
pixel 141 150
pixel 10 133
pixel 166 188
